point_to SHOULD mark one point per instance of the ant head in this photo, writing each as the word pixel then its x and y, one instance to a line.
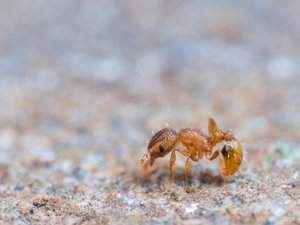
pixel 217 134
pixel 160 145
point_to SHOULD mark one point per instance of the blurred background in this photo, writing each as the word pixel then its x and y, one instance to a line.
pixel 84 83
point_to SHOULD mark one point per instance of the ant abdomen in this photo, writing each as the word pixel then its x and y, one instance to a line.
pixel 231 159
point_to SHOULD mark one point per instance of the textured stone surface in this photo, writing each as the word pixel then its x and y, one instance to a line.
pixel 84 83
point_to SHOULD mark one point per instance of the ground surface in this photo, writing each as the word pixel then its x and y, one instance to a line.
pixel 83 84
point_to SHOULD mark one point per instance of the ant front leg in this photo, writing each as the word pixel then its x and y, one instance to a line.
pixel 172 163
pixel 187 165
pixel 211 156
pixel 187 171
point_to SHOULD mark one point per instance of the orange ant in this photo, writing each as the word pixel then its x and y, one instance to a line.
pixel 196 144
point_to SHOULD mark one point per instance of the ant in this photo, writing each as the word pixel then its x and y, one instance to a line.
pixel 196 145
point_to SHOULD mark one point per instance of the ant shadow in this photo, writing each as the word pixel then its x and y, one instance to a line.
pixel 207 177
pixel 160 177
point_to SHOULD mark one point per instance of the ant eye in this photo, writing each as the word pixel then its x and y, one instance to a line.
pixel 161 148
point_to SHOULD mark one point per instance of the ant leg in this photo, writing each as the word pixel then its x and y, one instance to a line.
pixel 187 171
pixel 193 157
pixel 182 152
pixel 187 164
pixel 211 156
pixel 200 155
pixel 172 163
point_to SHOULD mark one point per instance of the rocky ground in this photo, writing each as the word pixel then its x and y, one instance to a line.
pixel 84 84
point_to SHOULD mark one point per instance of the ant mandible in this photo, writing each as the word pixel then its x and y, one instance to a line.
pixel 196 145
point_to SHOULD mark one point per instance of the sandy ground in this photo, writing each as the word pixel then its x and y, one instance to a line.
pixel 84 84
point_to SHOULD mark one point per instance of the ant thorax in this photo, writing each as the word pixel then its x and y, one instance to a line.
pixel 194 139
